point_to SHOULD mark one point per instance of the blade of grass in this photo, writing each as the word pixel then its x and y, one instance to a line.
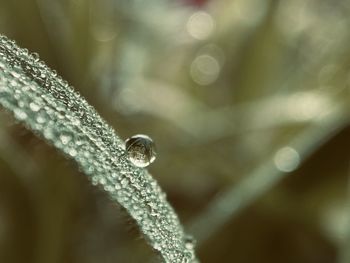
pixel 48 106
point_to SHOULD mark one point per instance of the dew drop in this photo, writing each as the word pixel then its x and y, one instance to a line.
pixel 42 75
pixel 95 180
pixel 188 257
pixel 34 107
pixel 72 152
pixel 15 74
pixel 20 115
pixel 76 122
pixel 49 133
pixel 124 182
pixel 41 118
pixel 189 242
pixel 65 138
pixel 141 150
pixel 157 246
pixel 35 56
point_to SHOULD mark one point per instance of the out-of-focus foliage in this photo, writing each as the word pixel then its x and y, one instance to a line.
pixel 247 100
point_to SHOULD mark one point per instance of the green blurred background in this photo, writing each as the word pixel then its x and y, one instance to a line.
pixel 247 100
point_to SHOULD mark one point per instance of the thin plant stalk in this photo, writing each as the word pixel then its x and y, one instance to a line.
pixel 227 205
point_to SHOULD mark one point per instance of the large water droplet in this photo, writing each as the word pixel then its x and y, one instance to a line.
pixel 141 150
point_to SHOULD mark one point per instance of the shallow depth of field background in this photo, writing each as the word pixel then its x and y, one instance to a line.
pixel 247 100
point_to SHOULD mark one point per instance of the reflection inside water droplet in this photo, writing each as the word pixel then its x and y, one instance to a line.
pixel 141 150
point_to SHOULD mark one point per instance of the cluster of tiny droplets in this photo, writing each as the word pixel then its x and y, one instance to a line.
pixel 46 104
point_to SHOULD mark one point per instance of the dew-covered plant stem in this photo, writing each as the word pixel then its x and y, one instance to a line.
pixel 49 107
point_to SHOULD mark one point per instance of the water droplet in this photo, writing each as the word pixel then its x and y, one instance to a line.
pixel 34 107
pixel 189 242
pixel 41 118
pixel 95 180
pixel 141 150
pixel 65 138
pixel 157 246
pixel 188 257
pixel 35 56
pixel 15 74
pixel 20 115
pixel 49 133
pixel 76 122
pixel 103 181
pixel 42 75
pixel 72 152
pixel 124 182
